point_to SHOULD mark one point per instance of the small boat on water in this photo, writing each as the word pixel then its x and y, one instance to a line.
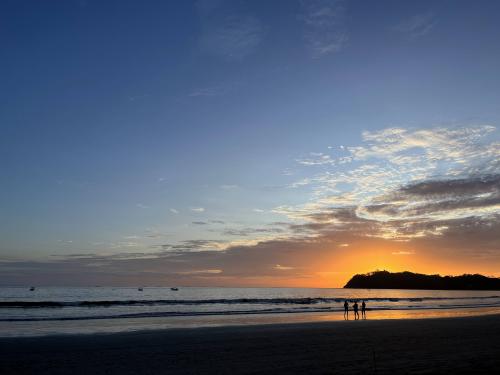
pixel 140 289
pixel 174 289
pixel 32 288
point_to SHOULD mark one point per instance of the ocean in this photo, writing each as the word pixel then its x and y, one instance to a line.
pixel 57 310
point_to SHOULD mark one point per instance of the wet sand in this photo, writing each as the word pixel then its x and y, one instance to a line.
pixel 446 345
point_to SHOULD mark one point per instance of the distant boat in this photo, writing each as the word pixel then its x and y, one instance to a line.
pixel 32 288
pixel 139 289
pixel 174 289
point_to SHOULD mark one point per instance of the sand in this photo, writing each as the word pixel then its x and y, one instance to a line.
pixel 447 345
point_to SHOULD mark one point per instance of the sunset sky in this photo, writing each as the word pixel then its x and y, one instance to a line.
pixel 247 143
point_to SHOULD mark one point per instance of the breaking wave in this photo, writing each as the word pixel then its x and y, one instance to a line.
pixel 239 301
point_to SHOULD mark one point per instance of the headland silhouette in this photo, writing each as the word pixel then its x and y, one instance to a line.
pixel 410 280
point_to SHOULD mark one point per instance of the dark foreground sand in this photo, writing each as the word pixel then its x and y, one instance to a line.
pixel 449 345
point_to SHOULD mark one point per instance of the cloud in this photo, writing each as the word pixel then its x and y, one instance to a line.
pixel 174 211
pixel 217 222
pixel 472 240
pixel 133 237
pixel 438 200
pixel 65 242
pixel 418 25
pixel 440 143
pixel 199 222
pixel 226 31
pixel 198 272
pixel 212 91
pixel 279 267
pixel 228 187
pixel 195 245
pixel 413 193
pixel 197 209
pixel 154 233
pixel 402 182
pixel 140 205
pixel 317 159
pixel 244 232
pixel 323 30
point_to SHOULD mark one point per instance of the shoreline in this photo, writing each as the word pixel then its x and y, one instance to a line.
pixel 12 329
pixel 257 327
pixel 459 345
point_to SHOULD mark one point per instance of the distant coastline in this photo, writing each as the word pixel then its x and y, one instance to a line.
pixel 410 280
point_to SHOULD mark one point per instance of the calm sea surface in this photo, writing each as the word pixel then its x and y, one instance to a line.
pixel 102 309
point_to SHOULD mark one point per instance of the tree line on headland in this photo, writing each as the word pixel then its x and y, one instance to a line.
pixel 410 280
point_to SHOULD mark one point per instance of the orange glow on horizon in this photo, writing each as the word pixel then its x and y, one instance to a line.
pixel 337 265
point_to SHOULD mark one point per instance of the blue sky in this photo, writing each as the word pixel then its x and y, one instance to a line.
pixel 137 128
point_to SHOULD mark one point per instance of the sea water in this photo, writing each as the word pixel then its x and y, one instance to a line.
pixel 52 310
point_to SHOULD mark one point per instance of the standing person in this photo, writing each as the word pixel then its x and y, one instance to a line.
pixel 346 310
pixel 363 310
pixel 355 308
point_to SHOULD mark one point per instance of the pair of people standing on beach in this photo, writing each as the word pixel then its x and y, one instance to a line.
pixel 355 309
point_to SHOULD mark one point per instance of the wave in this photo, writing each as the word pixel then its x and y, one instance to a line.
pixel 249 301
pixel 166 314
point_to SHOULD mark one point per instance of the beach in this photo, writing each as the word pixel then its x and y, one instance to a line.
pixel 444 345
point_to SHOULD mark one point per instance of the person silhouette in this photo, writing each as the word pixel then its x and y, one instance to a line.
pixel 346 310
pixel 363 310
pixel 355 308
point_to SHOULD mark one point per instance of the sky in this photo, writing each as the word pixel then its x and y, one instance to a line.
pixel 247 143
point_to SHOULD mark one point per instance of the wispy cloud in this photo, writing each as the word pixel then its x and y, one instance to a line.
pixel 248 231
pixel 226 31
pixel 438 199
pixel 408 191
pixel 217 222
pixel 65 242
pixel 195 246
pixel 199 222
pixel 200 272
pixel 418 25
pixel 279 267
pixel 197 209
pixel 140 205
pixel 403 183
pixel 132 237
pixel 174 211
pixel 210 91
pixel 316 158
pixel 323 30
pixel 134 98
